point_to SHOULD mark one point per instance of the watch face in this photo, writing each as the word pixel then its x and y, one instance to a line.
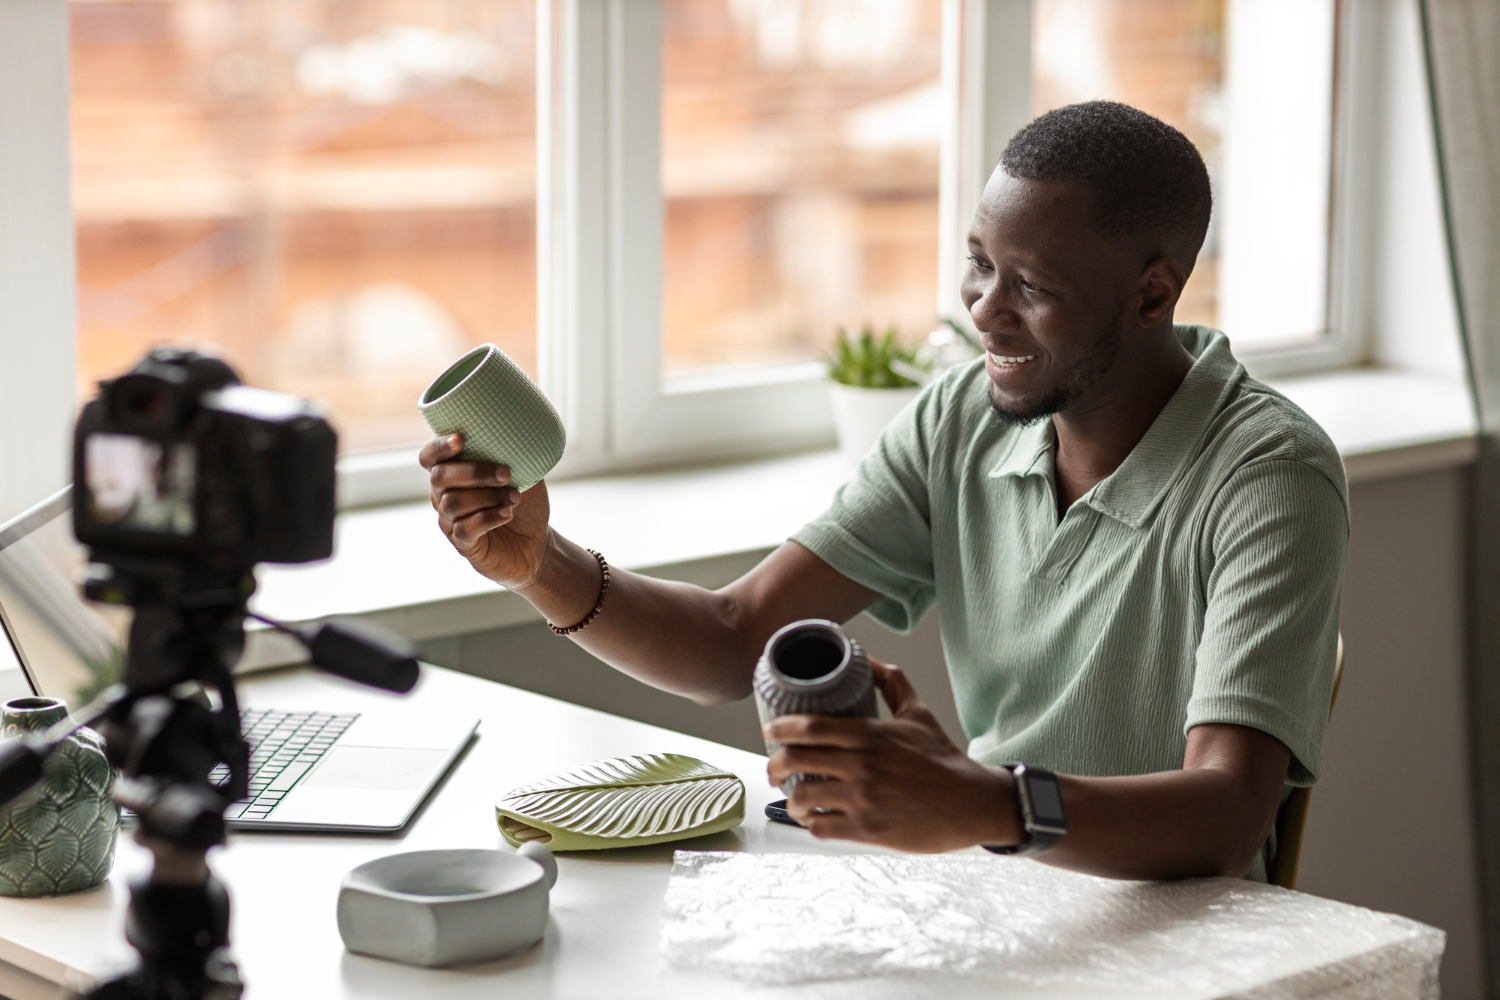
pixel 1046 801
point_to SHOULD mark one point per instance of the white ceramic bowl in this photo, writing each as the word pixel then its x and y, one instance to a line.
pixel 437 908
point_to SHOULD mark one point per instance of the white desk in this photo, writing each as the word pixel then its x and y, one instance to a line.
pixel 603 938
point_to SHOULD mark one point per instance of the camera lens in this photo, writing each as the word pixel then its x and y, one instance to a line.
pixel 145 403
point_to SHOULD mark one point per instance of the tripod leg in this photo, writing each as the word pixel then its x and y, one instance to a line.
pixel 179 922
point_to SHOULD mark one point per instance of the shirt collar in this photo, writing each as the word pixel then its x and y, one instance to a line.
pixel 1030 452
pixel 1132 492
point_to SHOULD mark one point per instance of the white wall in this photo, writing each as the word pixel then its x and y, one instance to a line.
pixel 1391 824
pixel 37 360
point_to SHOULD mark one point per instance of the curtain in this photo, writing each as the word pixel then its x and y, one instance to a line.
pixel 1462 41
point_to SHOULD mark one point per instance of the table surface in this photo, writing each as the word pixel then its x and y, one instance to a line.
pixel 605 908
pixel 603 933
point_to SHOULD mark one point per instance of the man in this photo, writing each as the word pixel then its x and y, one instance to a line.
pixel 1136 551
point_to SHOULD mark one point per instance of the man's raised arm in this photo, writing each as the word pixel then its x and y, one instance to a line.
pixel 702 644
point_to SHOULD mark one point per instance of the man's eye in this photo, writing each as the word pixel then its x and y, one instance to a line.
pixel 977 262
pixel 1029 286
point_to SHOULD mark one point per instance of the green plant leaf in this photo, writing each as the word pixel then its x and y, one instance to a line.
pixel 864 359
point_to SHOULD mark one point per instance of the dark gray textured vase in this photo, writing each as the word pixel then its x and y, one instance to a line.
pixel 59 836
pixel 812 667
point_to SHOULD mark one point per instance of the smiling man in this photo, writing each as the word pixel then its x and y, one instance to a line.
pixel 1135 549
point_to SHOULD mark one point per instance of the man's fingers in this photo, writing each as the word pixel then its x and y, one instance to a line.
pixel 468 475
pixel 901 697
pixel 468 530
pixel 830 826
pixel 811 801
pixel 812 797
pixel 820 730
pixel 457 504
pixel 440 449
pixel 790 760
pixel 894 687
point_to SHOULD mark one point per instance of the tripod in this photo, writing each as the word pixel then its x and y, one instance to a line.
pixel 171 720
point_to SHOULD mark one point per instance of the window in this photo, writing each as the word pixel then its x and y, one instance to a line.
pixel 800 146
pixel 339 195
pixel 662 208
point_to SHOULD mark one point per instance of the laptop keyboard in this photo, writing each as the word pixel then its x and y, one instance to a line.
pixel 283 747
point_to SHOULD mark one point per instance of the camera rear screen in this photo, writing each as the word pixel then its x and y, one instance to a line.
pixel 140 484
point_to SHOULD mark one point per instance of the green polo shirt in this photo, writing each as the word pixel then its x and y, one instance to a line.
pixel 1198 583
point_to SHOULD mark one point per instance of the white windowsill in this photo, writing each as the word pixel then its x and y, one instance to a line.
pixel 1389 423
pixel 709 524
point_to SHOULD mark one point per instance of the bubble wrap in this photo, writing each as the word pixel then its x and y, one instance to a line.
pixel 784 919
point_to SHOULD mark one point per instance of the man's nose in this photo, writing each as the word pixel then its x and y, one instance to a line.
pixel 993 311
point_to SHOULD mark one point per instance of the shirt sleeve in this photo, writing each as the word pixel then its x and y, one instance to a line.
pixel 1276 538
pixel 878 532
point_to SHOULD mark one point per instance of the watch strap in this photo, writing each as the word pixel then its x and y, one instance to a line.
pixel 1036 843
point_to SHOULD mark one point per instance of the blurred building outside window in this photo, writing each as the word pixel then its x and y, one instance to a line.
pixel 341 194
pixel 800 169
pixel 338 195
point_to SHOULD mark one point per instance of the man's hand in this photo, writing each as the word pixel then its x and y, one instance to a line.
pixel 900 784
pixel 502 532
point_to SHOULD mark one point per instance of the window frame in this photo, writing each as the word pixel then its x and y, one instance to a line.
pixel 599 193
pixel 1358 87
pixel 599 196
pixel 600 223
pixel 37 254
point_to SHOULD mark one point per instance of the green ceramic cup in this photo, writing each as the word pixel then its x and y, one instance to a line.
pixel 502 414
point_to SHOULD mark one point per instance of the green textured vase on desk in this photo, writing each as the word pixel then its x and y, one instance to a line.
pixel 59 836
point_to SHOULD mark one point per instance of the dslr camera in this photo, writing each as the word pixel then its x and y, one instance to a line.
pixel 178 463
pixel 184 480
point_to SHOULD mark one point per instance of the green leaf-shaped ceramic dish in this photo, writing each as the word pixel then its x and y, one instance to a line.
pixel 623 802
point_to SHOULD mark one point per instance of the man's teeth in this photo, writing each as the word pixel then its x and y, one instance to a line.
pixel 1006 362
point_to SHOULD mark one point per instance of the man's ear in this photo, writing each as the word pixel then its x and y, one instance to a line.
pixel 1159 288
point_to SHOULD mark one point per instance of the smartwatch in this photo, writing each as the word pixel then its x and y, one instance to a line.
pixel 1042 816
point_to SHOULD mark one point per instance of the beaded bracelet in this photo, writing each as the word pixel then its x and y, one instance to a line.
pixel 598 605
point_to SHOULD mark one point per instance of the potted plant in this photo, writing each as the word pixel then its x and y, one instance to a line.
pixel 871 377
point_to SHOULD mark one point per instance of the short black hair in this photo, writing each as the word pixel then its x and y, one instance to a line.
pixel 1148 178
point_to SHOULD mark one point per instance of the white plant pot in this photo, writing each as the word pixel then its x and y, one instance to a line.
pixel 861 414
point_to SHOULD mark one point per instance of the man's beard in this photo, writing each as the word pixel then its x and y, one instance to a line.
pixel 1080 377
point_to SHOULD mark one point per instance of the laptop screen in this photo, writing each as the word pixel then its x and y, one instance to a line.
pixel 57 644
pixel 13 682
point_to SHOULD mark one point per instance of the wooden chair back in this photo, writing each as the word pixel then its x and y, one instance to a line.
pixel 1291 818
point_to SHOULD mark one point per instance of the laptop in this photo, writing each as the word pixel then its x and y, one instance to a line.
pixel 310 771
